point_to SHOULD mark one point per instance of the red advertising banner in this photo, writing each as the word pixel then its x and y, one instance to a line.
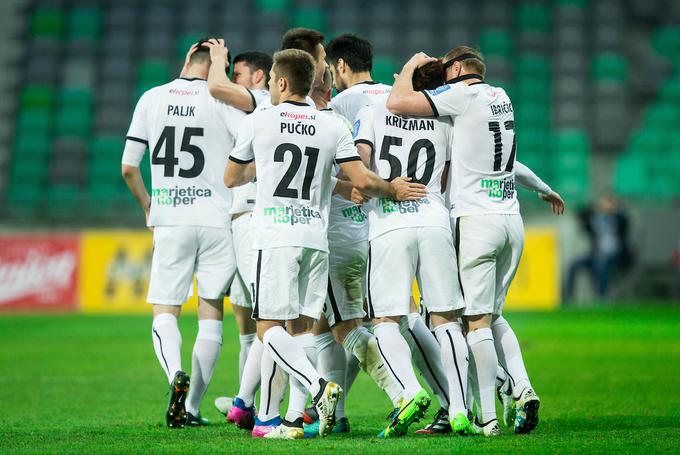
pixel 39 272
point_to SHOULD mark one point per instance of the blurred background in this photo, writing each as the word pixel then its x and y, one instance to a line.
pixel 595 87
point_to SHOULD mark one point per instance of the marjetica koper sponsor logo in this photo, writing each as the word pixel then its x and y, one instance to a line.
pixel 390 206
pixel 354 213
pixel 499 188
pixel 178 196
pixel 292 215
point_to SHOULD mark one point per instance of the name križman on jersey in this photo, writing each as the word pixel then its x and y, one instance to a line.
pixel 292 215
pixel 499 188
pixel 391 206
pixel 179 196
pixel 410 124
pixel 181 111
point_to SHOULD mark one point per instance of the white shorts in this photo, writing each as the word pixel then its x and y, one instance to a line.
pixel 396 257
pixel 179 252
pixel 243 249
pixel 489 249
pixel 289 282
pixel 346 282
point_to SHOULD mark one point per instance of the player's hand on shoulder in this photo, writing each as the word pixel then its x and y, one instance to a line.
pixel 405 190
pixel 555 201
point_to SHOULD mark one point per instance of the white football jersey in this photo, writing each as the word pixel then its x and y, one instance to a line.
pixel 483 153
pixel 294 147
pixel 348 102
pixel 406 147
pixel 190 135
pixel 266 102
pixel 348 221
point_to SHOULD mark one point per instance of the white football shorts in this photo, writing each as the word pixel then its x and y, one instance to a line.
pixel 346 282
pixel 289 282
pixel 489 250
pixel 396 257
pixel 179 252
pixel 243 249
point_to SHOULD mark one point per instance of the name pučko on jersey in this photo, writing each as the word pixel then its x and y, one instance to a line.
pixel 298 128
pixel 499 188
pixel 178 196
pixel 391 206
pixel 292 215
pixel 354 213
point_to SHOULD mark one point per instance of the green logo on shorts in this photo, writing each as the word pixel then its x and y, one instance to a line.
pixel 390 206
pixel 354 213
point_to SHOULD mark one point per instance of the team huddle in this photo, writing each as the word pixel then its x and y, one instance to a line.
pixel 316 214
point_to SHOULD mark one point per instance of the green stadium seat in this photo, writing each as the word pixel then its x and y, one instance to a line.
pixel 154 72
pixel 272 5
pixel 185 42
pixel 533 16
pixel 573 3
pixel 610 67
pixel 24 196
pixel 630 178
pixel 75 97
pixel 647 141
pixel 666 41
pixel 671 90
pixel 31 144
pixel 47 21
pixel 536 67
pixel 573 186
pixel 496 42
pixel 63 202
pixel 73 122
pixel 85 22
pixel 531 115
pixel 309 18
pixel 531 90
pixel 28 170
pixel 662 115
pixel 571 151
pixel 37 96
pixel 35 120
pixel 384 68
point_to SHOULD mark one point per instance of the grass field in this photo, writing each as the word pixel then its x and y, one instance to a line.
pixel 609 382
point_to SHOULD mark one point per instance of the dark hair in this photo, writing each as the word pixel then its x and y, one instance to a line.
pixel 356 52
pixel 304 39
pixel 474 63
pixel 429 76
pixel 256 61
pixel 202 53
pixel 298 67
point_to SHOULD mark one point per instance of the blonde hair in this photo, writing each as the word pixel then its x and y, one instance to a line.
pixel 475 63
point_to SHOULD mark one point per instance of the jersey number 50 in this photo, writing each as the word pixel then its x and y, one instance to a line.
pixel 170 160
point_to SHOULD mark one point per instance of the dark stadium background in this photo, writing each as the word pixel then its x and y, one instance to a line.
pixel 595 87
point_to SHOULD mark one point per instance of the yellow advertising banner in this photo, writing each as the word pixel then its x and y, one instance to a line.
pixel 536 284
pixel 114 272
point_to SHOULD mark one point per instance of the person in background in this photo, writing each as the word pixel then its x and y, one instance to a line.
pixel 606 225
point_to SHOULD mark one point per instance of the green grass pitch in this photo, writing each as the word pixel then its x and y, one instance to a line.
pixel 609 382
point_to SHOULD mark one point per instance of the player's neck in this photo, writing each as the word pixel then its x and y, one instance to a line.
pixel 196 73
pixel 292 97
pixel 356 78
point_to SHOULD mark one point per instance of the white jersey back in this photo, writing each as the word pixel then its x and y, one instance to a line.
pixel 406 147
pixel 348 102
pixel 294 147
pixel 190 135
pixel 348 221
pixel 483 154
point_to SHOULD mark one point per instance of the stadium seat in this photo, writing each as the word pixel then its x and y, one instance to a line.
pixel 85 22
pixel 31 144
pixel 73 122
pixel 384 68
pixel 610 67
pixel 309 18
pixel 533 16
pixel 37 96
pixel 666 41
pixel 496 42
pixel 272 5
pixel 34 121
pixel 47 21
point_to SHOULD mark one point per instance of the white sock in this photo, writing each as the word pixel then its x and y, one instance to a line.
pixel 501 375
pixel 167 342
pixel 454 358
pixel 250 380
pixel 352 368
pixel 289 355
pixel 483 353
pixel 510 355
pixel 272 389
pixel 332 365
pixel 298 392
pixel 206 352
pixel 427 356
pixel 397 355
pixel 362 345
pixel 469 395
pixel 246 341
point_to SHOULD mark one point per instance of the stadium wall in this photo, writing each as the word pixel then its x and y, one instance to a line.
pixel 107 271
